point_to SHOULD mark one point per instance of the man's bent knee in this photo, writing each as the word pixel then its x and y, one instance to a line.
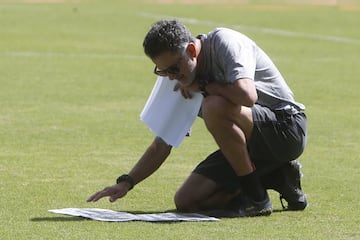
pixel 194 191
pixel 183 203
pixel 215 106
pixel 219 115
pixel 216 112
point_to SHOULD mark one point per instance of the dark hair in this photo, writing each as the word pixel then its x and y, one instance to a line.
pixel 166 35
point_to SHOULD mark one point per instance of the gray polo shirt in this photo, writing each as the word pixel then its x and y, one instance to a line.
pixel 229 56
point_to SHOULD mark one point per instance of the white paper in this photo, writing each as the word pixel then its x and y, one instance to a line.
pixel 168 114
pixel 113 216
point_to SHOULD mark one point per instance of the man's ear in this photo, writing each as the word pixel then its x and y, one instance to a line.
pixel 191 49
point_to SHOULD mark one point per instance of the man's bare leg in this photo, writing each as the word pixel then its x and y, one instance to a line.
pixel 231 126
pixel 199 193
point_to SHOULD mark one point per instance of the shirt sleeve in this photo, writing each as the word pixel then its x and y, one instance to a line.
pixel 235 55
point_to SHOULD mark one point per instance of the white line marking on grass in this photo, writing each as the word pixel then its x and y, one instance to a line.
pixel 272 31
pixel 116 56
pixel 71 55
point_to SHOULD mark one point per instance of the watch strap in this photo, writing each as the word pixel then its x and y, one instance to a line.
pixel 126 178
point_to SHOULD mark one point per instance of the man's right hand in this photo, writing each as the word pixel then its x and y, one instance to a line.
pixel 113 192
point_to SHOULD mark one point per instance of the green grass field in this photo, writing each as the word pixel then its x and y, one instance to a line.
pixel 74 79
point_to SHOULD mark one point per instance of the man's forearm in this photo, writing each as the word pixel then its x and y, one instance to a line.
pixel 241 92
pixel 151 160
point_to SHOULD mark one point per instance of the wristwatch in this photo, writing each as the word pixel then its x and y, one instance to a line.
pixel 126 178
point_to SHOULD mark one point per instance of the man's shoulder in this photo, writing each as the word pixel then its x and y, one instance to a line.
pixel 221 31
pixel 224 31
pixel 228 36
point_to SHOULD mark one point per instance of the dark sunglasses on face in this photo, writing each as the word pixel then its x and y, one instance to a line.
pixel 173 70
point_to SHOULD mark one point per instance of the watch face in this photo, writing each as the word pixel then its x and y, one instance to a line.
pixel 121 179
pixel 126 178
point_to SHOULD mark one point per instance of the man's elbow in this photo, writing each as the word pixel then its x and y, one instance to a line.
pixel 161 145
pixel 247 92
pixel 248 99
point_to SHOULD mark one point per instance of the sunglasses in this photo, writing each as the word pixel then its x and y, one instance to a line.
pixel 172 70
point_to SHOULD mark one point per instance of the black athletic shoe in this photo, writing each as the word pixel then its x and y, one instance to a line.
pixel 251 208
pixel 286 181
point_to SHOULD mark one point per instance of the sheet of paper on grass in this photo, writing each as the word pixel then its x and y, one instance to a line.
pixel 113 216
pixel 168 114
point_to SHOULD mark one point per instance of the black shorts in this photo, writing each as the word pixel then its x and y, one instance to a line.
pixel 278 137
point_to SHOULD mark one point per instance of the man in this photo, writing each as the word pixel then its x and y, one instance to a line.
pixel 248 109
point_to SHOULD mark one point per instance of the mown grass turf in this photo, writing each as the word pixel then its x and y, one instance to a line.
pixel 74 80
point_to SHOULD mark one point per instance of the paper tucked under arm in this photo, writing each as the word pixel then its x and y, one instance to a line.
pixel 168 114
